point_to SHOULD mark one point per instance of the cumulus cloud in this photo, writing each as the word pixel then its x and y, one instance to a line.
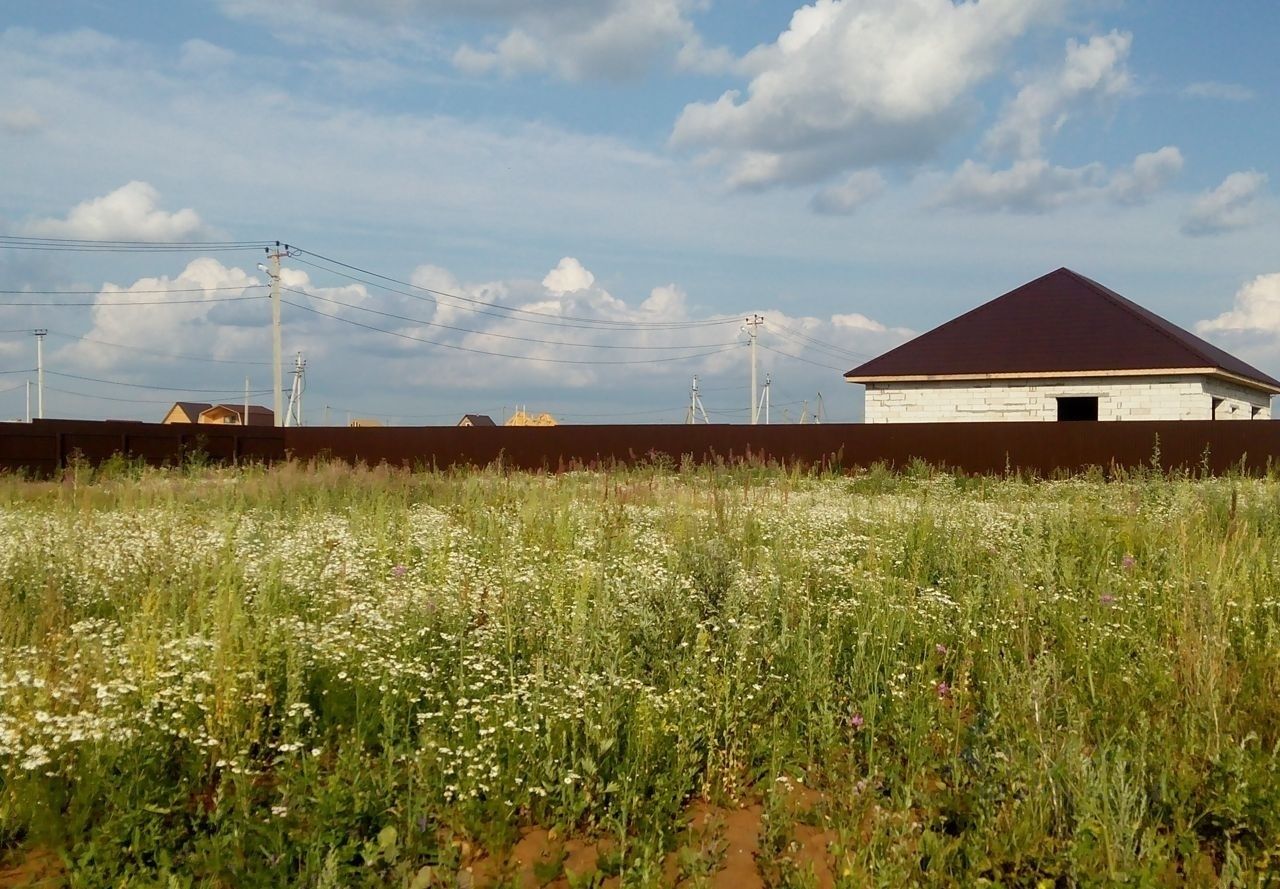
pixel 1256 309
pixel 1036 186
pixel 1212 89
pixel 615 39
pixel 1230 206
pixel 853 85
pixel 1149 174
pixel 568 277
pixel 843 199
pixel 1091 71
pixel 128 213
pixel 501 337
pixel 1029 186
pixel 572 39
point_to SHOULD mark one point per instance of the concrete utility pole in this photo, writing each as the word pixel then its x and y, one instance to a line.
pixel 293 416
pixel 695 405
pixel 753 331
pixel 764 398
pixel 276 255
pixel 28 401
pixel 244 418
pixel 40 334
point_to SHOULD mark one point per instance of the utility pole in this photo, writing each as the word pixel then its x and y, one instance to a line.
pixel 753 331
pixel 764 398
pixel 40 334
pixel 244 418
pixel 293 416
pixel 695 405
pixel 274 272
pixel 28 401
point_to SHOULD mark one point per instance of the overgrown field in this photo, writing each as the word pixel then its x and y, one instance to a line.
pixel 320 676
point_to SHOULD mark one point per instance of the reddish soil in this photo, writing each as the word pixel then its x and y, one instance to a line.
pixel 32 869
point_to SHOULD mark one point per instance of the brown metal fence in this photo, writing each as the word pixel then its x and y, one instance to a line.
pixel 44 447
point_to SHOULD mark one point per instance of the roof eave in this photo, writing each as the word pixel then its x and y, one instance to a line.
pixel 1268 387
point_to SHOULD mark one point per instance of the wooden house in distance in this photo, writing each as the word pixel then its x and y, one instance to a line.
pixel 218 414
pixel 476 420
pixel 1061 347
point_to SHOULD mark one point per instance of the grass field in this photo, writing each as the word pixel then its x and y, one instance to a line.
pixel 323 677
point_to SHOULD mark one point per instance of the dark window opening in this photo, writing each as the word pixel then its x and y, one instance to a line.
pixel 1213 408
pixel 1254 412
pixel 1078 408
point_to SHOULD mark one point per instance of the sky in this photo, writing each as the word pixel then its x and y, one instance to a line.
pixel 571 205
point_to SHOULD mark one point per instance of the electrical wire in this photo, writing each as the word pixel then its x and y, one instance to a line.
pixel 132 400
pixel 505 336
pixel 801 335
pixel 416 339
pixel 162 302
pixel 84 245
pixel 85 339
pixel 665 325
pixel 28 371
pixel 140 385
pixel 100 292
pixel 798 358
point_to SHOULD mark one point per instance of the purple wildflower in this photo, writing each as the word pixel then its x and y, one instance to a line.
pixel 1128 562
pixel 399 570
pixel 856 721
pixel 943 689
pixel 940 648
pixel 1106 598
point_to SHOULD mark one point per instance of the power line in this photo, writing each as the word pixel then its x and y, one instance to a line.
pixel 798 358
pixel 124 292
pixel 132 400
pixel 416 339
pixel 141 385
pixel 85 245
pixel 665 325
pixel 798 334
pixel 27 371
pixel 505 336
pixel 85 339
pixel 161 302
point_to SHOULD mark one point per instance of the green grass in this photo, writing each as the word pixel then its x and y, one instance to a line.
pixel 324 676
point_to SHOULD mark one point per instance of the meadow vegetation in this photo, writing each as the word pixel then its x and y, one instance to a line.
pixel 325 676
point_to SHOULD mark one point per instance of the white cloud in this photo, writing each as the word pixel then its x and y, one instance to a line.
pixel 858 188
pixel 1230 206
pixel 1256 309
pixel 1036 186
pixel 1090 71
pixel 1147 176
pixel 1029 186
pixel 568 277
pixel 1212 89
pixel 128 213
pixel 613 39
pixel 856 84
pixel 572 39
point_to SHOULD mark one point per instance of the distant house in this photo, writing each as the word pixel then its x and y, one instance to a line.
pixel 476 420
pixel 365 423
pixel 1061 347
pixel 522 418
pixel 218 414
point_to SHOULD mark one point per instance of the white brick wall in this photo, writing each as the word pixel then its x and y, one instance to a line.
pixel 1119 398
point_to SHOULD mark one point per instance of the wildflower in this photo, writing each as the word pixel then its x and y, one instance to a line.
pixel 940 648
pixel 399 570
pixel 943 690
pixel 1128 562
pixel 856 721
pixel 1106 599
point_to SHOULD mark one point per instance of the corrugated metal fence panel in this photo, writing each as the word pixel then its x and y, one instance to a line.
pixel 1044 448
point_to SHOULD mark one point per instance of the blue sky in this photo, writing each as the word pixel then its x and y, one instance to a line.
pixel 856 171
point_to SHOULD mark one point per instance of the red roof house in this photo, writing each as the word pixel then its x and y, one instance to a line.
pixel 1062 347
